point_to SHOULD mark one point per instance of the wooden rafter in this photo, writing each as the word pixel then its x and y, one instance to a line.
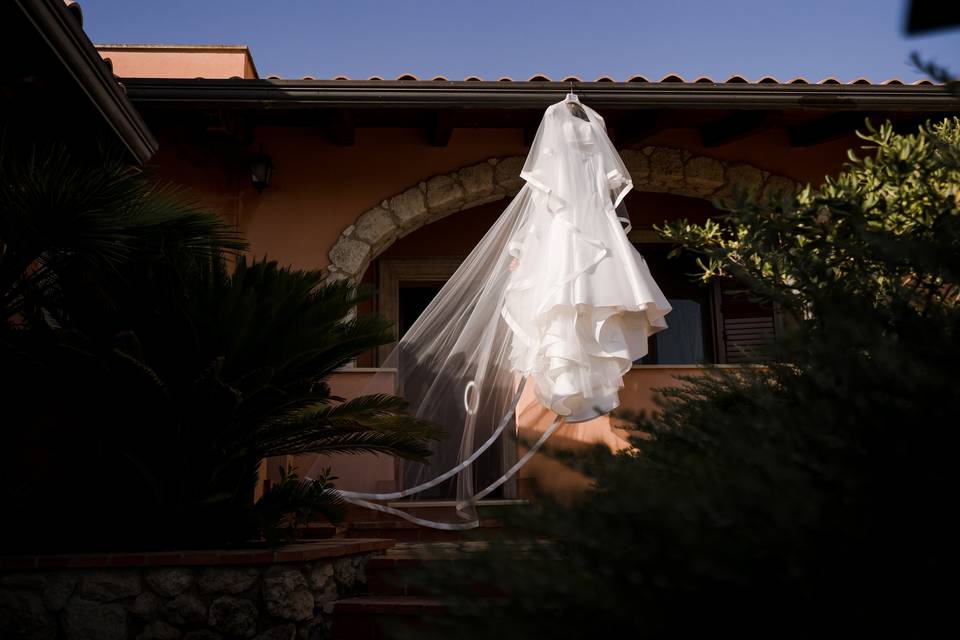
pixel 732 127
pixel 824 129
pixel 440 129
pixel 635 127
pixel 340 127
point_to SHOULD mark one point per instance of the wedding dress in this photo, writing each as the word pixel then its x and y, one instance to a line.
pixel 553 293
pixel 581 303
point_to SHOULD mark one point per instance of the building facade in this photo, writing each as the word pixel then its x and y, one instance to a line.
pixel 392 182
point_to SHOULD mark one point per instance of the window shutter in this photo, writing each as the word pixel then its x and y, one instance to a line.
pixel 748 339
pixel 748 328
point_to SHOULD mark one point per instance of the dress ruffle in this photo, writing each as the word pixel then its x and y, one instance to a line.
pixel 580 353
pixel 582 303
pixel 578 330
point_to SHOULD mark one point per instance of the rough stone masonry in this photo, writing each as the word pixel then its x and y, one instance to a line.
pixel 274 602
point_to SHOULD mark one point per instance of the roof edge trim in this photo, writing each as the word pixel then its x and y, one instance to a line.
pixel 67 40
pixel 294 94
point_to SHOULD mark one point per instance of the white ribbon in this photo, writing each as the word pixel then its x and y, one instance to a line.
pixel 516 467
pixel 466 398
pixel 363 499
pixel 474 522
pixel 396 495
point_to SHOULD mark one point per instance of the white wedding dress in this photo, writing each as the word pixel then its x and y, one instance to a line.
pixel 553 293
pixel 581 302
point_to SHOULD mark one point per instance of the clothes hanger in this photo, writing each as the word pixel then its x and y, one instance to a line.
pixel 573 104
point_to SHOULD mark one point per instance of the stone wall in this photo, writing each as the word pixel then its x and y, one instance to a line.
pixel 654 169
pixel 266 601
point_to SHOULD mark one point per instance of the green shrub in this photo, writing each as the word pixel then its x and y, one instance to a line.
pixel 806 498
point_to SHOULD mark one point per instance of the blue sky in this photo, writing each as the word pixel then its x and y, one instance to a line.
pixel 518 38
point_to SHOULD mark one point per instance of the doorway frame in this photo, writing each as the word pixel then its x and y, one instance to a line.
pixel 392 272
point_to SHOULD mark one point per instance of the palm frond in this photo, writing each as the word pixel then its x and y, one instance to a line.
pixel 63 218
pixel 374 423
pixel 336 440
pixel 293 502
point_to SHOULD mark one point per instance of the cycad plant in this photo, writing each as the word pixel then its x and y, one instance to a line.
pixel 148 368
pixel 72 226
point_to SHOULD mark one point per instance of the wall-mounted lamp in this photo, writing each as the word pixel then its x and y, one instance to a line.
pixel 261 168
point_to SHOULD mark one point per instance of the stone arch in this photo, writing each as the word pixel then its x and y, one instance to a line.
pixel 658 169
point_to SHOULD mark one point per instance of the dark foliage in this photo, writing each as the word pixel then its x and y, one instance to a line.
pixel 145 379
pixel 806 498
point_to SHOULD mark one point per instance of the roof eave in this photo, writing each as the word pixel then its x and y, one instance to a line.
pixel 434 94
pixel 66 39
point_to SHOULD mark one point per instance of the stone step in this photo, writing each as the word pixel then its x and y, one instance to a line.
pixel 398 575
pixel 321 530
pixel 400 531
pixel 382 617
pixel 403 569
pixel 408 532
pixel 364 523
pixel 373 617
pixel 396 601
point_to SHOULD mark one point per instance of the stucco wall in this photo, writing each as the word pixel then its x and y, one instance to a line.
pixel 143 61
pixel 319 189
pixel 375 473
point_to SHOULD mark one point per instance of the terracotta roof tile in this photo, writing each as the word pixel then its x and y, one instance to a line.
pixel 672 77
pixel 165 50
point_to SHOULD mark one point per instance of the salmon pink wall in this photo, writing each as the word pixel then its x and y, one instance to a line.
pixel 367 472
pixel 639 394
pixel 375 473
pixel 318 189
pixel 171 61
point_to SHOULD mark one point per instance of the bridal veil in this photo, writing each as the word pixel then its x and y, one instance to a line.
pixel 554 296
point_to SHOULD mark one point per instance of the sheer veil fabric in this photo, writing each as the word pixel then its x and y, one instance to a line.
pixel 554 296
